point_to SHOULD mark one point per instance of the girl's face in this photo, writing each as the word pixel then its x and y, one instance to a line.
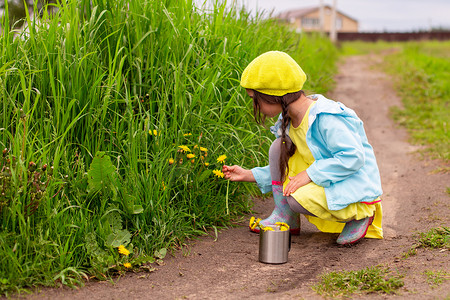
pixel 270 110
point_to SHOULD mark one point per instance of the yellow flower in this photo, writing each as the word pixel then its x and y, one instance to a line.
pixel 123 250
pixel 254 222
pixel 218 173
pixel 283 226
pixel 267 228
pixel 163 186
pixel 127 265
pixel 206 164
pixel 221 158
pixel 190 155
pixel 193 161
pixel 154 132
pixel 203 149
pixel 187 134
pixel 184 148
pixel 171 161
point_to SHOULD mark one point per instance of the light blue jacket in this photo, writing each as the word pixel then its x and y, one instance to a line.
pixel 345 163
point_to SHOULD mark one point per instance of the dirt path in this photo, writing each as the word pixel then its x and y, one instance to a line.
pixel 414 199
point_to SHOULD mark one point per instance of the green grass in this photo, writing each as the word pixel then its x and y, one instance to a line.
pixel 436 278
pixel 376 279
pixel 435 238
pixel 362 48
pixel 82 92
pixel 411 252
pixel 421 76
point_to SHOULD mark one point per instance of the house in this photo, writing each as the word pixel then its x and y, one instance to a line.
pixel 308 19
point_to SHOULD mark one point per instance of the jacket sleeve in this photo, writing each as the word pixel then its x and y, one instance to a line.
pixel 343 153
pixel 263 178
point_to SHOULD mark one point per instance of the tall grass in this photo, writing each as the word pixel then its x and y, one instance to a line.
pixel 96 101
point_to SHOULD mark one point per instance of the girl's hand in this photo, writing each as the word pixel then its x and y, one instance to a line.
pixel 296 182
pixel 237 173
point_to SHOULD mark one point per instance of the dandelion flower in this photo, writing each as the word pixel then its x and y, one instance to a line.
pixel 187 134
pixel 153 132
pixel 283 226
pixel 193 161
pixel 221 158
pixel 206 164
pixel 184 148
pixel 218 173
pixel 171 161
pixel 267 228
pixel 203 149
pixel 123 250
pixel 190 155
pixel 127 265
pixel 254 222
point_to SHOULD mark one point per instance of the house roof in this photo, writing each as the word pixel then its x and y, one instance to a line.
pixel 293 13
pixel 298 13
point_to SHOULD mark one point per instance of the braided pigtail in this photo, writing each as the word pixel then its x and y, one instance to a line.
pixel 287 146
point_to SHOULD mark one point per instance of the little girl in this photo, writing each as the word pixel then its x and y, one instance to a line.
pixel 320 164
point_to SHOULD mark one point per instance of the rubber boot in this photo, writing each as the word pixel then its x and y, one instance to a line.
pixel 281 213
pixel 354 231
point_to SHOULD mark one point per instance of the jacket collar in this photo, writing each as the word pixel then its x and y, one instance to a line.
pixel 325 105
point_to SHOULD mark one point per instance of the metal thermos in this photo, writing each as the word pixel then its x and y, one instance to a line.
pixel 274 245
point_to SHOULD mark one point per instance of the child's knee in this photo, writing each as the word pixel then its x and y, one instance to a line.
pixel 275 148
pixel 297 207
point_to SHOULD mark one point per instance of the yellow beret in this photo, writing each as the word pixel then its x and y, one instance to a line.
pixel 273 73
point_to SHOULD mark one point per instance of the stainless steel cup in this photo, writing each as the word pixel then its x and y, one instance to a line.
pixel 274 245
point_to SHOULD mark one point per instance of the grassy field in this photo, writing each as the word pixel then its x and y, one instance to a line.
pixel 420 74
pixel 114 116
pixel 422 82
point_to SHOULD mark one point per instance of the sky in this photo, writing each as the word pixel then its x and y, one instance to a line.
pixel 373 15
